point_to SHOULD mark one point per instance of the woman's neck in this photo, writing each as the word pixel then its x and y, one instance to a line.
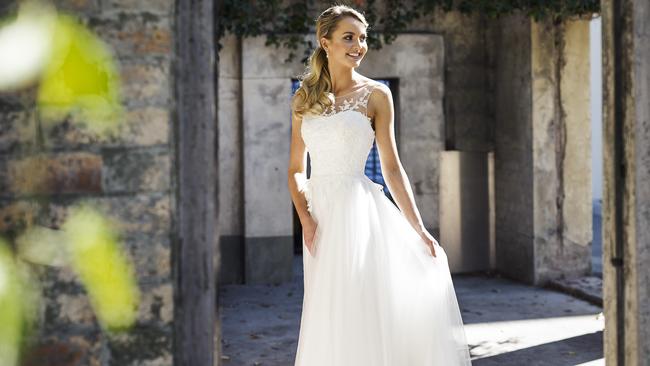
pixel 342 79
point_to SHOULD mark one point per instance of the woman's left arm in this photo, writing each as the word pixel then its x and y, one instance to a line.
pixel 380 106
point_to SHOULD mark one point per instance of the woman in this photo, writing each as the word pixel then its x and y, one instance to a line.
pixel 378 291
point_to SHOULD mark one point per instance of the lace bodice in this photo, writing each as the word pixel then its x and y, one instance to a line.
pixel 339 140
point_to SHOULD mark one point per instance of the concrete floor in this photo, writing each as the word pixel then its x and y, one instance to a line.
pixel 506 323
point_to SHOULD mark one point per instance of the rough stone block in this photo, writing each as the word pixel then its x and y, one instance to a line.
pixel 71 309
pixel 142 127
pixel 136 170
pixel 136 214
pixel 151 256
pixel 63 350
pixel 15 215
pixel 143 345
pixel 77 172
pixel 66 302
pixel 17 129
pixel 139 213
pixel 147 126
pixel 156 305
pixel 77 6
pixel 135 35
pixel 146 83
pixel 162 7
pixel 58 280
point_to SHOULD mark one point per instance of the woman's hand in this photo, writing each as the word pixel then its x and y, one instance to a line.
pixel 309 233
pixel 429 240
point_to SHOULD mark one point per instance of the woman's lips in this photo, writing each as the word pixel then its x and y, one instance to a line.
pixel 356 58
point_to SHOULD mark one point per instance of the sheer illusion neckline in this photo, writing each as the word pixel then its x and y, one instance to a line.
pixel 356 100
pixel 356 90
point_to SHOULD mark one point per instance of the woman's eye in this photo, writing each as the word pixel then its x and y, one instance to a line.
pixel 349 38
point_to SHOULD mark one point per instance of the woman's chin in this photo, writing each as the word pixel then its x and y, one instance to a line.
pixel 353 63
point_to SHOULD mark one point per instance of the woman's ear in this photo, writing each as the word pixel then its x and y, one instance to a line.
pixel 323 44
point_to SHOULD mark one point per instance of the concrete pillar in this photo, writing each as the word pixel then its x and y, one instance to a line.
pixel 626 196
pixel 231 189
pixel 266 113
pixel 542 168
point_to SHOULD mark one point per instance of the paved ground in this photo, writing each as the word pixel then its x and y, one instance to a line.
pixel 507 323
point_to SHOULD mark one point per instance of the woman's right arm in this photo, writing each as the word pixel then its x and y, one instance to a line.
pixel 297 175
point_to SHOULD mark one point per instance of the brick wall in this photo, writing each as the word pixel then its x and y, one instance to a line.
pixel 128 176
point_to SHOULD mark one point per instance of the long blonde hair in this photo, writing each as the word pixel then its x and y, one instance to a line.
pixel 315 84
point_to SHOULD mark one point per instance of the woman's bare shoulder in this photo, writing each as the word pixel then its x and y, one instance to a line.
pixel 380 88
pixel 380 98
pixel 379 93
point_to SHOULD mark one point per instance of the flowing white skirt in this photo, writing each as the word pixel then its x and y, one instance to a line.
pixel 374 295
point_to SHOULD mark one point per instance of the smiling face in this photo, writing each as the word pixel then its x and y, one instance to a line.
pixel 347 44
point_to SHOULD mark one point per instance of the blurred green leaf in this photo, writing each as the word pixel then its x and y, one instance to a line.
pixel 103 268
pixel 81 78
pixel 41 245
pixel 11 314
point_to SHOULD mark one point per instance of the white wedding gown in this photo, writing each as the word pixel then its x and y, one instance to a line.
pixel 374 295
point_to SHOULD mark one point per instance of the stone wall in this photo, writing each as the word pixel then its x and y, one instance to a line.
pixel 128 176
pixel 542 155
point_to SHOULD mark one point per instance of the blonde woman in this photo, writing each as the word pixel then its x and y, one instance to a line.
pixel 378 291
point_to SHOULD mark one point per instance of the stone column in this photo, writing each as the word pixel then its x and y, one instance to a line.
pixel 231 189
pixel 196 326
pixel 626 196
pixel 266 113
pixel 542 168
